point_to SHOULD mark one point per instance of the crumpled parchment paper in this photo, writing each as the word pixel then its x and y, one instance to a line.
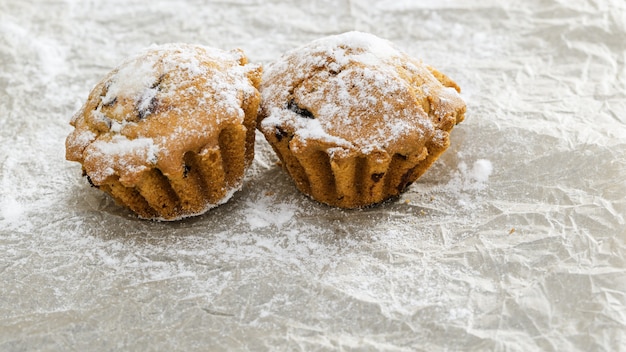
pixel 514 240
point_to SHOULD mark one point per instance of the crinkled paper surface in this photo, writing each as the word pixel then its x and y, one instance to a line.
pixel 513 241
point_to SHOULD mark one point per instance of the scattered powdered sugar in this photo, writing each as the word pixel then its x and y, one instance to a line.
pixel 467 182
pixel 116 127
pixel 460 189
pixel 225 89
pixel 481 170
pixel 369 49
pixel 132 155
pixel 10 210
pixel 120 145
pixel 266 211
pixel 130 80
pixel 311 129
pixel 82 138
pixel 456 314
pixel 146 98
pixel 474 178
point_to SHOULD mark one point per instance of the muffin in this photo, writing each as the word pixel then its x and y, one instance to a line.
pixel 354 120
pixel 170 132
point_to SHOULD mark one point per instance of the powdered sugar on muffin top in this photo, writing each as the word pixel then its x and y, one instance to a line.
pixel 355 90
pixel 123 154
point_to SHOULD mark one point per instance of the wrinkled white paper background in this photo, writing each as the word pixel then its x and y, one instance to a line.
pixel 514 240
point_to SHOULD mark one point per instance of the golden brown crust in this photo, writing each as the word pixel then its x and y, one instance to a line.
pixel 355 121
pixel 170 132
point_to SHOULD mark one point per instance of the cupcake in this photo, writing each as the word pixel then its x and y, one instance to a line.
pixel 170 132
pixel 354 120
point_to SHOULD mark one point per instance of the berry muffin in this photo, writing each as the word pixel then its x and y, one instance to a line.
pixel 170 132
pixel 354 120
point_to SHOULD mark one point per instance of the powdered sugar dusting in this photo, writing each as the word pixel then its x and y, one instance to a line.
pixel 481 170
pixel 532 261
pixel 311 129
pixel 368 48
pixel 463 187
pixel 474 178
pixel 10 210
pixel 120 145
pixel 82 139
pixel 121 155
pixel 351 85
pixel 267 212
pixel 131 80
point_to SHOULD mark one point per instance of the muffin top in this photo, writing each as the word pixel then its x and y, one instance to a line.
pixel 158 105
pixel 359 94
